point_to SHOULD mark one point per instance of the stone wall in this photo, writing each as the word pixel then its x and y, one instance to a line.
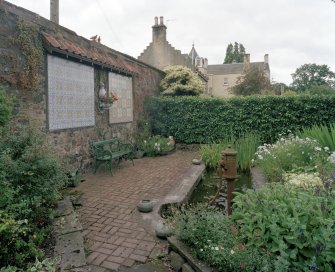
pixel 23 68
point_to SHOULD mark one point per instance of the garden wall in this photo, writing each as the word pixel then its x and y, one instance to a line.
pixel 208 120
pixel 26 43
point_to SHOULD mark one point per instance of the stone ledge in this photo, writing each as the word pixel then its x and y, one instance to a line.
pixel 69 239
pixel 183 251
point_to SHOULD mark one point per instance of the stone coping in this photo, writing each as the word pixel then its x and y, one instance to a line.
pixel 179 195
pixel 184 252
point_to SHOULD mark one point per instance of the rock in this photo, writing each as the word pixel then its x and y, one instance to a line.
pixel 186 268
pixel 176 261
pixel 196 161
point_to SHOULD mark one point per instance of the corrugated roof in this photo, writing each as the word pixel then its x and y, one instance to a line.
pixel 92 55
pixel 232 68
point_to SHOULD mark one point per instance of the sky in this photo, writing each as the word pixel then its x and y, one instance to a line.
pixel 292 32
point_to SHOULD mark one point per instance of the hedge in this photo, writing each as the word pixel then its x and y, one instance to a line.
pixel 208 120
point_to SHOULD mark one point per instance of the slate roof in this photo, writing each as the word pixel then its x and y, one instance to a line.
pixel 92 55
pixel 233 68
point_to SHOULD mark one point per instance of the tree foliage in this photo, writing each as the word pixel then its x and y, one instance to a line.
pixel 234 53
pixel 180 81
pixel 309 75
pixel 253 81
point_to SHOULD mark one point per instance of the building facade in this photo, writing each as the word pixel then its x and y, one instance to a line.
pixel 218 78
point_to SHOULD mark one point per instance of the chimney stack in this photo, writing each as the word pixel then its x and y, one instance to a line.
pixel 159 31
pixel 266 58
pixel 246 61
pixel 54 11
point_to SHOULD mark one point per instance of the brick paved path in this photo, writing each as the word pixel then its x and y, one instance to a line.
pixel 113 231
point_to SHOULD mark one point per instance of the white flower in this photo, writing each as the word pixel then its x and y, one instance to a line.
pixel 326 148
pixel 232 252
pixel 260 157
pixel 317 148
pixel 216 248
pixel 145 141
pixel 201 250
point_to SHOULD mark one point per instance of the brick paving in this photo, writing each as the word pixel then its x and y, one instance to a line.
pixel 113 232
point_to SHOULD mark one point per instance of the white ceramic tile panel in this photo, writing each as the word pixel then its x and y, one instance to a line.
pixel 70 94
pixel 122 109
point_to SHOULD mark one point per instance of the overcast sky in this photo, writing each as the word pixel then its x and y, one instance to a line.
pixel 292 32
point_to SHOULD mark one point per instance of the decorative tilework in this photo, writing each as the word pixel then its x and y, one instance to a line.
pixel 70 94
pixel 122 110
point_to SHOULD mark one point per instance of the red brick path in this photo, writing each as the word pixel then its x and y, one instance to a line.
pixel 113 231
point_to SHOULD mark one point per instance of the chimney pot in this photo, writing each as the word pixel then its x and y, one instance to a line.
pixel 156 20
pixel 266 58
pixel 161 20
pixel 54 11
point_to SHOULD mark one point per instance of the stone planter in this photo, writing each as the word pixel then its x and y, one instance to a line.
pixel 145 206
pixel 139 154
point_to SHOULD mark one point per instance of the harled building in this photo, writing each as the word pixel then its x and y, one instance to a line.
pixel 218 78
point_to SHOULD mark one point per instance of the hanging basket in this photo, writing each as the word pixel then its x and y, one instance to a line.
pixel 104 105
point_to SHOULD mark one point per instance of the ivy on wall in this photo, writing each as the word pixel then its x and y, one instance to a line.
pixel 208 120
pixel 30 45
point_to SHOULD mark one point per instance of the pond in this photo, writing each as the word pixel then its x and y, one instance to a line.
pixel 207 187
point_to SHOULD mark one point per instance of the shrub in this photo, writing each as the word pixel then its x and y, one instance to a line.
pixel 30 179
pixel 17 245
pixel 209 120
pixel 292 154
pixel 155 146
pixel 296 225
pixel 179 81
pixel 213 237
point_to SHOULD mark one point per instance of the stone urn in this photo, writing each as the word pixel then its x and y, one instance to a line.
pixel 145 206
pixel 162 230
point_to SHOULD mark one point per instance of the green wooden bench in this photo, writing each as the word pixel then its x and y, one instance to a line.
pixel 109 151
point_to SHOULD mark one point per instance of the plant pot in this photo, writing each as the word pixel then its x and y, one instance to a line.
pixel 139 154
pixel 145 206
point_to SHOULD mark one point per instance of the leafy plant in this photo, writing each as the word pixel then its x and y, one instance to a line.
pixel 30 178
pixel 17 245
pixel 245 146
pixel 292 154
pixel 325 135
pixel 5 107
pixel 297 226
pixel 155 146
pixel 214 238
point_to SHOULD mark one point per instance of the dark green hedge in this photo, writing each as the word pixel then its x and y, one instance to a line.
pixel 207 120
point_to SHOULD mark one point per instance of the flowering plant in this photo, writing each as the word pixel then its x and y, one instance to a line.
pixel 110 99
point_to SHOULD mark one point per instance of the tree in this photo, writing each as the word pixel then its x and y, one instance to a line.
pixel 234 53
pixel 321 90
pixel 309 75
pixel 252 82
pixel 180 81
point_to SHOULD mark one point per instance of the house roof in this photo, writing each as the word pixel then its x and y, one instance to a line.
pixel 92 55
pixel 233 68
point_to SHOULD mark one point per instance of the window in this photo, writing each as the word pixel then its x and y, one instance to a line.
pixel 122 109
pixel 70 94
pixel 225 81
